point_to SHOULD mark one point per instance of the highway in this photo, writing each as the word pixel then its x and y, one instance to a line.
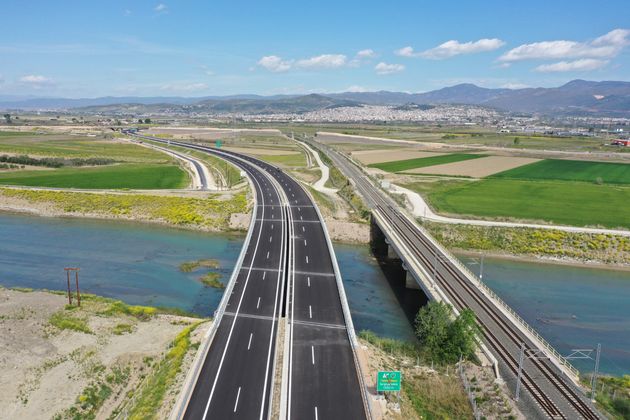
pixel 288 270
pixel 545 390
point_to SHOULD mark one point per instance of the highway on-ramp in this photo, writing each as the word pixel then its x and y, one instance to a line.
pixel 288 271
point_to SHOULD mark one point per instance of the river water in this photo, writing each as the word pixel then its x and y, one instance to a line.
pixel 571 307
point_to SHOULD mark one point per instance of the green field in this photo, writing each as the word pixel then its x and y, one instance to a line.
pixel 571 170
pixel 135 176
pixel 292 160
pixel 54 145
pixel 406 165
pixel 561 202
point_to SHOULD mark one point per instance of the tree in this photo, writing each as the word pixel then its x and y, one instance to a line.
pixel 443 338
pixel 432 324
pixel 7 118
pixel 147 120
pixel 140 121
pixel 517 141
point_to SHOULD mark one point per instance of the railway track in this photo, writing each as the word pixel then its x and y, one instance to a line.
pixel 494 325
pixel 546 404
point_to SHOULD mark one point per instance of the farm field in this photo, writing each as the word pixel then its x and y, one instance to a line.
pixel 57 145
pixel 133 176
pixel 571 170
pixel 476 136
pixel 475 168
pixel 368 157
pixel 559 202
pixel 408 164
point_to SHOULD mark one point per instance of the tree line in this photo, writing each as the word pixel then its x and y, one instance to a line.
pixel 55 162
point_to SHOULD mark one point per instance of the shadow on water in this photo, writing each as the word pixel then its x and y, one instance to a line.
pixel 410 300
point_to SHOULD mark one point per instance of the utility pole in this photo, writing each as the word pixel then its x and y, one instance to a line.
pixel 434 267
pixel 76 279
pixel 594 379
pixel 520 372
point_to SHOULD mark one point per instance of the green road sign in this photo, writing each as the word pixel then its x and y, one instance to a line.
pixel 218 144
pixel 388 381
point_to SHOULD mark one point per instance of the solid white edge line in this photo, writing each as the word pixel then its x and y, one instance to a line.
pixel 249 344
pixel 238 308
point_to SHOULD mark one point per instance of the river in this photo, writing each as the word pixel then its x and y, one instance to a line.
pixel 139 263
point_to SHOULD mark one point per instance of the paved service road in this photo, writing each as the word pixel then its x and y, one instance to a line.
pixel 547 393
pixel 288 270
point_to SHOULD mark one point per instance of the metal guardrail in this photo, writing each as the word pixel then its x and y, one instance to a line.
pixel 186 393
pixel 490 293
pixel 346 312
pixel 478 282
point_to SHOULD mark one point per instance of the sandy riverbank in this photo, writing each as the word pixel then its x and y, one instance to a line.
pixel 55 360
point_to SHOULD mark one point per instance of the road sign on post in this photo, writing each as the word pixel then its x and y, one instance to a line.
pixel 218 144
pixel 388 381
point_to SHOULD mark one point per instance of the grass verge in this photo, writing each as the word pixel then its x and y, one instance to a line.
pixel 152 392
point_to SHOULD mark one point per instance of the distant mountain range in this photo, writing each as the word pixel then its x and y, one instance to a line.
pixel 578 97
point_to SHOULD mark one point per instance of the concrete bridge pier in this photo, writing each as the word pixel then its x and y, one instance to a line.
pixel 378 242
pixel 410 280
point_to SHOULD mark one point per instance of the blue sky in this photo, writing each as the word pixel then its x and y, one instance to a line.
pixel 196 48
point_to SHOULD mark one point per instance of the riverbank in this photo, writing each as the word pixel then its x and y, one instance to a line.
pixel 209 212
pixel 537 245
pixel 91 361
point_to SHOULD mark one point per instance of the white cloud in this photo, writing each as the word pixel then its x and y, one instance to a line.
pixel 126 12
pixel 452 48
pixel 324 61
pixel 161 8
pixel 406 52
pixel 385 68
pixel 277 64
pixel 34 79
pixel 606 46
pixel 584 64
pixel 183 87
pixel 274 63
pixel 367 53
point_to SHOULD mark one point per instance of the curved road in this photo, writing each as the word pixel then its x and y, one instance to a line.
pixel 287 271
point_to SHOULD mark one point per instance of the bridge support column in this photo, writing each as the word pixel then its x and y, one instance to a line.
pixel 391 252
pixel 377 239
pixel 410 280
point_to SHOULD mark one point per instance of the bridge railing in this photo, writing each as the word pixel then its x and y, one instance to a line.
pixel 490 293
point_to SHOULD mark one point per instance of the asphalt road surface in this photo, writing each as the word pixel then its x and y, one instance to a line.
pixel 288 270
